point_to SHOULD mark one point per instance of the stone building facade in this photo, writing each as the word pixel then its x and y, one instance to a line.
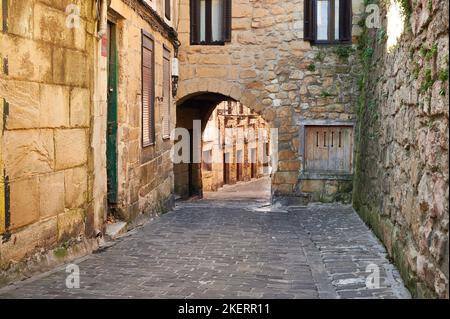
pixel 144 172
pixel 401 185
pixel 71 151
pixel 51 192
pixel 268 66
pixel 235 146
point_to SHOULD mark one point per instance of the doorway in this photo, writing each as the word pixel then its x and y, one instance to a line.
pixel 253 163
pixel 239 164
pixel 226 168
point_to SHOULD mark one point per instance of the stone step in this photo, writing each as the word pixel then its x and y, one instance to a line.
pixel 115 230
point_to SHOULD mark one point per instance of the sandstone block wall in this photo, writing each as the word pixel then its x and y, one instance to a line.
pixel 46 93
pixel 401 188
pixel 271 69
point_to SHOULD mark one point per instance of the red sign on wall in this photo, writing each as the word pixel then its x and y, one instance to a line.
pixel 105 46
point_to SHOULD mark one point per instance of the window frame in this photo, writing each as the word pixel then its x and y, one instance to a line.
pixel 310 22
pixel 195 23
pixel 152 126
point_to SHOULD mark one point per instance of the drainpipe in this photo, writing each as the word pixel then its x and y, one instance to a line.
pixel 103 25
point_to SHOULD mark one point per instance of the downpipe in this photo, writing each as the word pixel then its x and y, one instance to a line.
pixel 103 23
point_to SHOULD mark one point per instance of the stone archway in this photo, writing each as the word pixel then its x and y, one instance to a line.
pixel 235 91
pixel 197 99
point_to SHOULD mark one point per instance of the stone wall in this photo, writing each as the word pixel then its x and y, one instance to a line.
pixel 271 69
pixel 47 103
pixel 145 173
pixel 401 187
pixel 53 90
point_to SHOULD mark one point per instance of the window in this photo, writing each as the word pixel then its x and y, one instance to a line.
pixel 167 9
pixel 210 21
pixel 148 90
pixel 328 21
pixel 329 148
pixel 207 160
pixel 166 94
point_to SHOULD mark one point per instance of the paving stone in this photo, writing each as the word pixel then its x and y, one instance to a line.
pixel 217 248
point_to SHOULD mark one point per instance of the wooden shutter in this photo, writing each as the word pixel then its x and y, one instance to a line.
pixel 227 20
pixel 316 155
pixel 195 21
pixel 329 148
pixel 340 148
pixel 345 20
pixel 166 94
pixel 148 91
pixel 308 34
pixel 167 9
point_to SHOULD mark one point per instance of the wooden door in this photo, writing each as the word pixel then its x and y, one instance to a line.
pixel 111 138
pixel 253 162
pixel 239 165
pixel 226 169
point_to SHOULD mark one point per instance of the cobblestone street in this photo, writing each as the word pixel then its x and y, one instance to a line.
pixel 218 248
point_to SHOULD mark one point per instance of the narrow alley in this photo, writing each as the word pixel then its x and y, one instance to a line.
pixel 232 245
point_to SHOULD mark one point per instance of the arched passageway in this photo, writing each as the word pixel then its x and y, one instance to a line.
pixel 196 107
pixel 231 148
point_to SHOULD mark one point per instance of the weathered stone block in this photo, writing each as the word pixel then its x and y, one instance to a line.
pixel 76 68
pixel 287 155
pixel 211 72
pixel 28 152
pixel 23 99
pixel 54 106
pixel 24 202
pixel 246 38
pixel 27 60
pixel 50 25
pixel 61 5
pixel 79 107
pixel 38 235
pixel 289 165
pixel 20 18
pixel 281 189
pixel 247 74
pixel 312 186
pixel 71 146
pixel 70 224
pixel 331 187
pixel 242 10
pixel 51 194
pixel 284 178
